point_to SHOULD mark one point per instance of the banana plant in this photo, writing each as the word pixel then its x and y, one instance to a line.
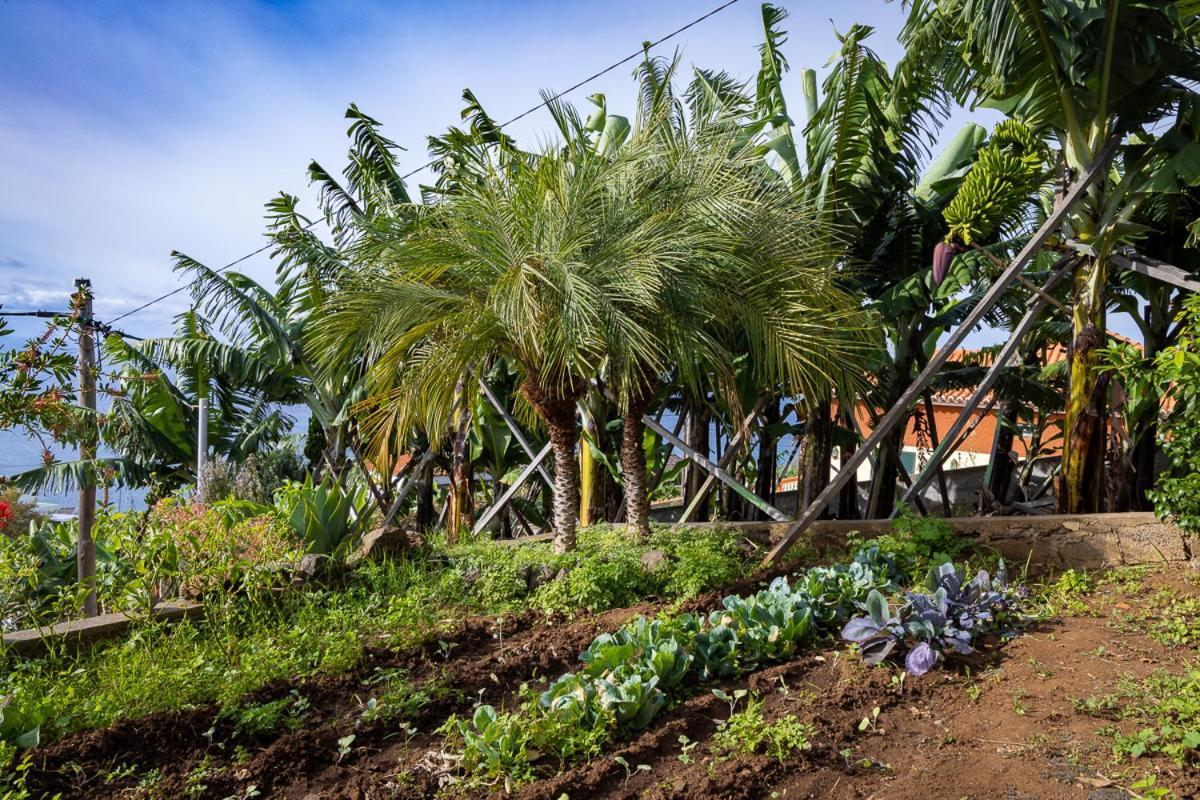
pixel 1084 76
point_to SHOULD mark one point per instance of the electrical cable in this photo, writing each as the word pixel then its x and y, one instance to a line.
pixel 645 49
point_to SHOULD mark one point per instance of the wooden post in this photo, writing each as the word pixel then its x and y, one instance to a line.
pixel 86 547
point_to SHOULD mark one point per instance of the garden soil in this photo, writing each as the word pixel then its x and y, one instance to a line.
pixel 1001 725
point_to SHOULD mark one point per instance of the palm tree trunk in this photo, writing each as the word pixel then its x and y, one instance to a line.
pixel 633 466
pixel 557 410
pixel 1082 478
pixel 563 439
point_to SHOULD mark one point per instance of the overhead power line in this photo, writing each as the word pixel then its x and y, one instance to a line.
pixel 647 47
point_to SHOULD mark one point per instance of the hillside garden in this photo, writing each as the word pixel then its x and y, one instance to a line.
pixel 451 580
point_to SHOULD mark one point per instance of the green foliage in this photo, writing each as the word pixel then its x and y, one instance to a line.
pixel 326 516
pixel 1177 369
pixel 1165 710
pixel 747 732
pixel 915 544
pixel 265 718
pixel 605 571
pixel 494 745
pixel 1174 621
pixel 240 645
pixel 699 563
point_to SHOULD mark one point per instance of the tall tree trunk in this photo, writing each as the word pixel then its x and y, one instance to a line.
pixel 768 458
pixel 633 466
pixel 885 474
pixel 1145 448
pixel 848 497
pixel 461 514
pixel 818 453
pixel 1082 479
pixel 557 410
pixel 425 498
pixel 1002 465
pixel 697 438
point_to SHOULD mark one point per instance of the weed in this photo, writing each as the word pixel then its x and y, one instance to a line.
pixel 1018 702
pixel 747 732
pixel 1177 623
pixel 629 770
pixel 1127 579
pixel 1040 669
pixel 870 722
pixel 1166 709
pixel 266 718
pixel 344 746
pixel 686 746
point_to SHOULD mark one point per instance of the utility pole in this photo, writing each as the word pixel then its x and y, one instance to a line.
pixel 202 434
pixel 86 548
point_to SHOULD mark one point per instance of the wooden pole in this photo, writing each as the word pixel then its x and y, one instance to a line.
pixel 86 547
pixel 899 412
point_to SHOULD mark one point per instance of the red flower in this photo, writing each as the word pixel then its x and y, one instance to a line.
pixel 5 514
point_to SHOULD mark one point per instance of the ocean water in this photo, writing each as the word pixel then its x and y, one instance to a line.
pixel 19 452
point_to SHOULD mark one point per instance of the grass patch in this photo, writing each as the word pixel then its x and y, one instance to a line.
pixel 1174 621
pixel 245 642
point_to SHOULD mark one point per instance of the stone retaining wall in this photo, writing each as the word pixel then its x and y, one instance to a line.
pixel 1091 541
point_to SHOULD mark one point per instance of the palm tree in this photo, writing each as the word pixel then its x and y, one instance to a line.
pixel 534 260
pixel 754 274
pixel 1083 74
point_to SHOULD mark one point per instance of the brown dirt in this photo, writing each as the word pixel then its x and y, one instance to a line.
pixel 1000 725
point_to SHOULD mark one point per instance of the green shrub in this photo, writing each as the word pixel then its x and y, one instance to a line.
pixel 1177 372
pixel 916 543
pixel 605 571
pixel 699 563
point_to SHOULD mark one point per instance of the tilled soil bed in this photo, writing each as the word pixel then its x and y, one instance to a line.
pixel 1002 724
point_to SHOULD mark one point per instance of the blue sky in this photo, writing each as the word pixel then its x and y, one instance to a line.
pixel 128 129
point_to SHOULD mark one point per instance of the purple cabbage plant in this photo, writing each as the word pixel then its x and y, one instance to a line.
pixel 949 617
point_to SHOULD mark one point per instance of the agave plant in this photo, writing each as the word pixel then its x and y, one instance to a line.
pixel 325 515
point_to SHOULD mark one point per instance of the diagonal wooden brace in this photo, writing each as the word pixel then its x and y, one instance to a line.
pixel 511 491
pixel 516 431
pixel 716 471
